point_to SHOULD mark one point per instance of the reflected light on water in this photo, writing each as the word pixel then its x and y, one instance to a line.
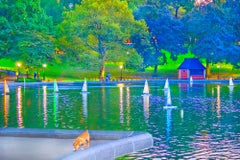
pixel 168 122
pixel 45 118
pixel 121 102
pixel 192 131
pixel 55 106
pixel 231 93
pixel 128 116
pixel 19 107
pixel 146 106
pixel 218 102
pixel 6 109
pixel 84 104
pixel 182 114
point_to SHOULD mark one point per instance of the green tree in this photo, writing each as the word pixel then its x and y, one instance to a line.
pixel 54 9
pixel 165 32
pixel 211 36
pixel 25 32
pixel 100 27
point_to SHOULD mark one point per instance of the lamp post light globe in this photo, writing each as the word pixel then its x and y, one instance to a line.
pixel 18 64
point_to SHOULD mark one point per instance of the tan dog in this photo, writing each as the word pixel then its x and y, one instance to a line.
pixel 82 140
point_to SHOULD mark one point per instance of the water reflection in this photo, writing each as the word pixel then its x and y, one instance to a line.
pixel 173 137
pixel 6 109
pixel 188 88
pixel 55 106
pixel 231 93
pixel 218 102
pixel 45 118
pixel 146 107
pixel 19 107
pixel 121 102
pixel 169 122
pixel 84 104
pixel 182 114
pixel 128 116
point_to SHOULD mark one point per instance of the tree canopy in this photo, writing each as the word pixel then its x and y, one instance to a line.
pixel 25 32
pixel 101 27
pixel 89 33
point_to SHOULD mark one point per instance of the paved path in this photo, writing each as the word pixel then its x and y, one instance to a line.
pixel 22 148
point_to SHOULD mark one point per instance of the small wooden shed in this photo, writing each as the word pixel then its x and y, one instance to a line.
pixel 191 67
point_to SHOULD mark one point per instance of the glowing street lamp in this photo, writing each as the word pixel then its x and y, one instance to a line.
pixel 218 66
pixel 44 66
pixel 121 67
pixel 18 72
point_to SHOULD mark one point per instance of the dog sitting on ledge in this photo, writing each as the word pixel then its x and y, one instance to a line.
pixel 83 140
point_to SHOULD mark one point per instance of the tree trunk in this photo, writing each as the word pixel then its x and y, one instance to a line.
pixel 176 12
pixel 102 70
pixel 155 70
pixel 208 68
pixel 102 52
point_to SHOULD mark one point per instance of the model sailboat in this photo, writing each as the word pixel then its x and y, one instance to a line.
pixel 84 87
pixel 169 100
pixel 166 86
pixel 191 79
pixel 231 82
pixel 55 86
pixel 146 88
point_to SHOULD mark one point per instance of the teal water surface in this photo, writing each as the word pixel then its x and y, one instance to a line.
pixel 204 125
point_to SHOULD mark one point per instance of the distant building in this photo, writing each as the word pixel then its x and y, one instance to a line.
pixel 191 67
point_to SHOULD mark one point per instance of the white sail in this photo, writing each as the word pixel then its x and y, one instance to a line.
pixel 84 87
pixel 191 79
pixel 169 100
pixel 231 82
pixel 55 85
pixel 166 86
pixel 6 88
pixel 146 88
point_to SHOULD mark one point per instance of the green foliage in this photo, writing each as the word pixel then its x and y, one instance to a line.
pixel 99 27
pixel 27 80
pixel 165 32
pixel 53 9
pixel 24 34
pixel 86 33
pixel 211 36
pixel 134 61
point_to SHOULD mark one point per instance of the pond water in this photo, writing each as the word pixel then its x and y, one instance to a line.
pixel 204 125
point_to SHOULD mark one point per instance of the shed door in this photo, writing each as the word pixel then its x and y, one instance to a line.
pixel 184 73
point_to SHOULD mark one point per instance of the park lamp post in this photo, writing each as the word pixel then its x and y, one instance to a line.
pixel 44 66
pixel 121 68
pixel 18 71
pixel 218 66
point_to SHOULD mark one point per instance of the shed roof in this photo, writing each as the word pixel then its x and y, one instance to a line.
pixel 191 63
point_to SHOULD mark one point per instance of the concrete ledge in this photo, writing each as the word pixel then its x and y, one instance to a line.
pixel 115 143
pixel 114 149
